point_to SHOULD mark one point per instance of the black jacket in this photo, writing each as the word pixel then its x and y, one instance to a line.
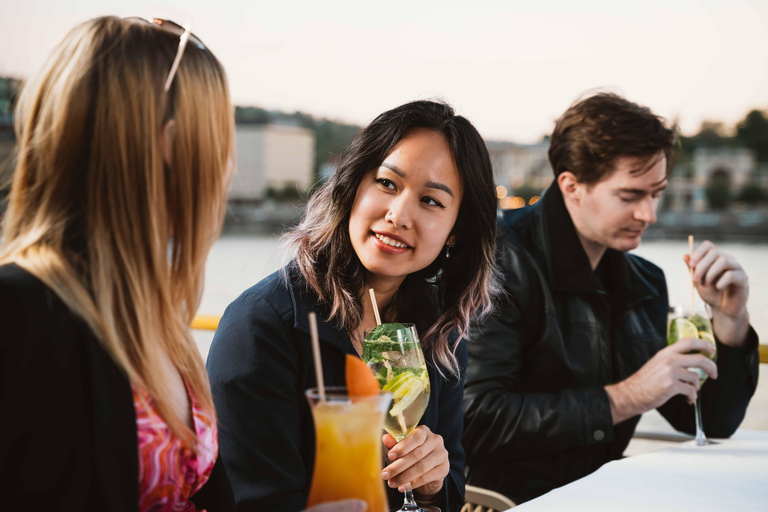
pixel 68 435
pixel 536 414
pixel 260 364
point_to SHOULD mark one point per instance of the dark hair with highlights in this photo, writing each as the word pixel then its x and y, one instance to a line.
pixel 594 132
pixel 465 283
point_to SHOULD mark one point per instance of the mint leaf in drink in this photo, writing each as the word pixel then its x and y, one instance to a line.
pixel 700 322
pixel 381 376
pixel 387 330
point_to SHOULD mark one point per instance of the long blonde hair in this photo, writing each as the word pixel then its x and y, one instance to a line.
pixel 94 211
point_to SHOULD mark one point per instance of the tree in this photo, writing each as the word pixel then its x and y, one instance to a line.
pixel 752 193
pixel 752 131
pixel 330 139
pixel 251 115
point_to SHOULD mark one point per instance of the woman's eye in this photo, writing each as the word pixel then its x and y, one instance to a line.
pixel 431 201
pixel 384 182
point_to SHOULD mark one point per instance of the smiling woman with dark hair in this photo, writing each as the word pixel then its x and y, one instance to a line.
pixel 411 213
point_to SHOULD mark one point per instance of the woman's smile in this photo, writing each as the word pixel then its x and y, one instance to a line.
pixel 388 241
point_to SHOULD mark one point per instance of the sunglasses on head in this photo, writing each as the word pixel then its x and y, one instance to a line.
pixel 184 35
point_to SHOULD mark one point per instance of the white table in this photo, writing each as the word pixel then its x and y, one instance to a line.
pixel 729 476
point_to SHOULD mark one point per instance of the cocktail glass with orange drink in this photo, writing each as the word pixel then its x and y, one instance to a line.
pixel 348 448
pixel 348 423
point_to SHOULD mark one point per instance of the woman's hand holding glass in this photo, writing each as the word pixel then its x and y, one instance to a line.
pixel 420 458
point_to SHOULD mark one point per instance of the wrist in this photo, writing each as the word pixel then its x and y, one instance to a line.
pixel 731 330
pixel 425 493
pixel 620 401
pixel 435 498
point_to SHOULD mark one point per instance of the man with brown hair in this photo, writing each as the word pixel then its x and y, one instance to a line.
pixel 577 349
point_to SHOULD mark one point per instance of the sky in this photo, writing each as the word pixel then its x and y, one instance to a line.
pixel 509 66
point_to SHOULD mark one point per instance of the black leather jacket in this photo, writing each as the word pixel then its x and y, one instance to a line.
pixel 536 414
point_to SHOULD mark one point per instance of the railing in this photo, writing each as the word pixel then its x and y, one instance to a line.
pixel 206 322
pixel 211 323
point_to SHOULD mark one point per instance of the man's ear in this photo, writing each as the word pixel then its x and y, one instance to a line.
pixel 166 141
pixel 570 186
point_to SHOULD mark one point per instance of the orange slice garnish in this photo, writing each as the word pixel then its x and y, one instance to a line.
pixel 360 378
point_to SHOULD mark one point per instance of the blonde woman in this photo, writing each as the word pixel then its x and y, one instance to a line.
pixel 125 141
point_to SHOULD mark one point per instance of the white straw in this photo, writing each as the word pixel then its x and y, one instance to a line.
pixel 690 268
pixel 316 352
pixel 375 307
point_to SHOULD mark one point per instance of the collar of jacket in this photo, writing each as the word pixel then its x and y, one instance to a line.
pixel 555 241
pixel 303 303
pixel 421 310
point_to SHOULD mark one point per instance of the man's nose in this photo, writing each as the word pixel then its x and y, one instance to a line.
pixel 646 210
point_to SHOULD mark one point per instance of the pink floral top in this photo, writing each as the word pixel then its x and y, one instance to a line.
pixel 169 471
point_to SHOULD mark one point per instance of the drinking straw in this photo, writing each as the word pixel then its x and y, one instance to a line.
pixel 690 268
pixel 316 352
pixel 375 307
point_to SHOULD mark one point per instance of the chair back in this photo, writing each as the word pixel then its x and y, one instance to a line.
pixel 477 499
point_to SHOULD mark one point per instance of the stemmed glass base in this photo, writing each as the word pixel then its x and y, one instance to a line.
pixel 409 503
pixel 701 439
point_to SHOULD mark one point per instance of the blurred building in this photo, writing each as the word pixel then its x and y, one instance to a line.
pixel 727 168
pixel 521 172
pixel 520 165
pixel 736 165
pixel 272 159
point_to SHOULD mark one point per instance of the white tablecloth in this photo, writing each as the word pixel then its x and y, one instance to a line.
pixel 729 476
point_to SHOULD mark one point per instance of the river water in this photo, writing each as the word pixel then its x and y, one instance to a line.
pixel 238 261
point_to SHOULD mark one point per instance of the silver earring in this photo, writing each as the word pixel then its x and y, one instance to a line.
pixel 448 250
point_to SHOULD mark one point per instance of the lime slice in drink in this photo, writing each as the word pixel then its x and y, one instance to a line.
pixel 394 384
pixel 407 393
pixel 706 335
pixel 680 328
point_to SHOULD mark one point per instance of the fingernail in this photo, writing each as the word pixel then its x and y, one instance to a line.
pixel 401 489
pixel 360 505
pixel 385 475
pixel 391 483
pixel 392 455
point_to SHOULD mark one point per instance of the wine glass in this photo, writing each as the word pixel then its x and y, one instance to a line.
pixel 393 353
pixel 681 326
